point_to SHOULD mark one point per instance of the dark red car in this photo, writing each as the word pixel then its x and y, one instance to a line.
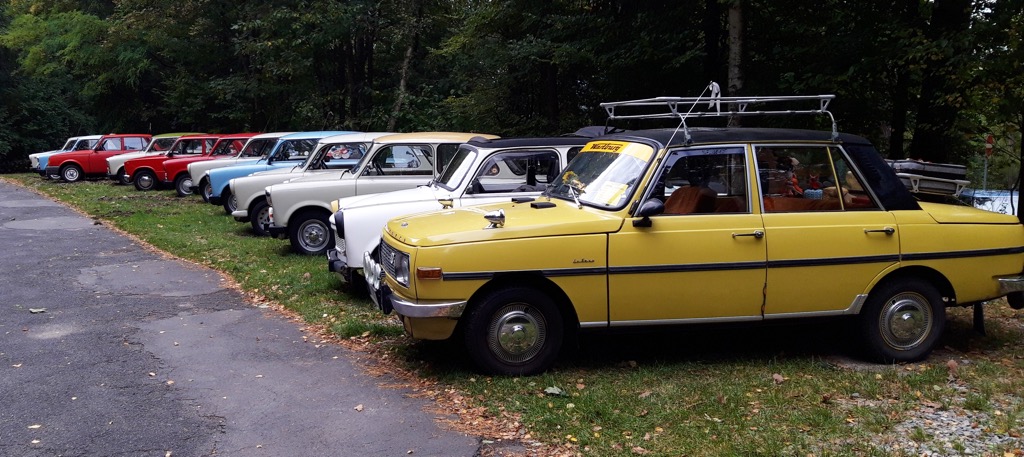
pixel 146 171
pixel 74 165
pixel 176 169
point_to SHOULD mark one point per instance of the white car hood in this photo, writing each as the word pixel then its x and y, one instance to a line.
pixel 418 194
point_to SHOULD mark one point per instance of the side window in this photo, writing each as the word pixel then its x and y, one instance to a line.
pixel 401 160
pixel 800 179
pixel 134 143
pixel 444 154
pixel 572 153
pixel 111 144
pixel 704 181
pixel 530 171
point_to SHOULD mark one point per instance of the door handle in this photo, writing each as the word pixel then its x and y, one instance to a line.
pixel 756 234
pixel 887 230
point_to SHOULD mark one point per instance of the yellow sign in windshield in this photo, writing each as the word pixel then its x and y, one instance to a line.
pixel 640 151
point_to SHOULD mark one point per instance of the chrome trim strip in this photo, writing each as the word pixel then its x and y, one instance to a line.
pixel 598 324
pixel 1011 284
pixel 698 320
pixel 854 308
pixel 452 309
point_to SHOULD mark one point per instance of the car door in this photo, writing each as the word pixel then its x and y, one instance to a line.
pixel 702 261
pixel 396 167
pixel 109 147
pixel 827 237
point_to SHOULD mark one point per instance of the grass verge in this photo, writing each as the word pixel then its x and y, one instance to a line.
pixel 787 390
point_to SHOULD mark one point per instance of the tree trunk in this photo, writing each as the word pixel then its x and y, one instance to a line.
pixel 400 97
pixel 935 137
pixel 712 40
pixel 735 85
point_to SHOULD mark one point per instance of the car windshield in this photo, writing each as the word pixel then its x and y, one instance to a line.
pixel 604 174
pixel 67 146
pixel 229 147
pixel 457 168
pixel 299 149
pixel 84 144
pixel 258 148
pixel 159 144
pixel 338 155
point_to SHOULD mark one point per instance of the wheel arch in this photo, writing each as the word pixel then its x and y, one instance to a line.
pixel 536 280
pixel 930 275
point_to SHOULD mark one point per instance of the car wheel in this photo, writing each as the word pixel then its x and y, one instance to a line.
pixel 206 189
pixel 310 233
pixel 71 173
pixel 182 184
pixel 145 180
pixel 515 331
pixel 902 320
pixel 230 201
pixel 121 179
pixel 259 215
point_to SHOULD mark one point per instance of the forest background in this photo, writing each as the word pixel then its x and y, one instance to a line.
pixel 928 80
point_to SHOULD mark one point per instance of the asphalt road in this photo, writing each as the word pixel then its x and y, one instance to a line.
pixel 109 349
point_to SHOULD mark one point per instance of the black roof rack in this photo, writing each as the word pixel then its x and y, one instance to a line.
pixel 686 107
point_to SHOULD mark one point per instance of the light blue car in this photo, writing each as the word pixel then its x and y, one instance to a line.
pixel 290 151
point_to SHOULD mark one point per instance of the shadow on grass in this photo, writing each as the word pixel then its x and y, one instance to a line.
pixel 835 340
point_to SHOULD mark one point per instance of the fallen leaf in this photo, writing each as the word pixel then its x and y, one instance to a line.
pixel 826 398
pixel 554 391
pixel 645 394
pixel 778 378
pixel 151 374
pixel 358 408
pixel 16 366
pixel 640 451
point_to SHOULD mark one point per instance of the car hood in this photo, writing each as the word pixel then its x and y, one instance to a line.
pixel 522 220
pixel 277 171
pixel 315 177
pixel 956 214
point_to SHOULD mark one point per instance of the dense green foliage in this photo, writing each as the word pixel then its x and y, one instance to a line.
pixel 922 79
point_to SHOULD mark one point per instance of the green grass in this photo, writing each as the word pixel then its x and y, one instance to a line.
pixel 698 392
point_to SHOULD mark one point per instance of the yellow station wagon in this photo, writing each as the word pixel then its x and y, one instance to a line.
pixel 697 225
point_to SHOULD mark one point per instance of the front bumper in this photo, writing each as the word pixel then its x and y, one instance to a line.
pixel 216 200
pixel 276 231
pixel 114 177
pixel 51 171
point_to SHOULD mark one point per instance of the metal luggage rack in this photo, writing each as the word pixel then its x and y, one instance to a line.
pixel 673 108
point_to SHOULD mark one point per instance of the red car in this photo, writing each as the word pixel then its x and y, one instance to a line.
pixel 74 165
pixel 176 170
pixel 146 171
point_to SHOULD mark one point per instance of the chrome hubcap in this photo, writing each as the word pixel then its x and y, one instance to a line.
pixel 906 321
pixel 146 181
pixel 517 333
pixel 314 236
pixel 184 186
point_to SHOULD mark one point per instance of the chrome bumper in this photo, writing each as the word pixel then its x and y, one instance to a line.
pixel 1011 284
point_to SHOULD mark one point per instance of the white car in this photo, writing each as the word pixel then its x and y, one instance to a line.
pixel 332 155
pixel 481 172
pixel 300 209
pixel 254 149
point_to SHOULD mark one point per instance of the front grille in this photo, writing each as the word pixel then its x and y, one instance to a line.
pixel 387 257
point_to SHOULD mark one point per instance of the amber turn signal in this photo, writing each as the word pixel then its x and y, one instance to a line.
pixel 428 273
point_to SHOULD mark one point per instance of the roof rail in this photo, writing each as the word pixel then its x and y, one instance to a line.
pixel 686 107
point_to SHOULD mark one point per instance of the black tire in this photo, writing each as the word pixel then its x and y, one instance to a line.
pixel 230 201
pixel 902 320
pixel 71 173
pixel 144 180
pixel 181 185
pixel 205 189
pixel 515 331
pixel 310 232
pixel 121 178
pixel 259 214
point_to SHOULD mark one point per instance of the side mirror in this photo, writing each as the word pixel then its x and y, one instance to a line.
pixel 327 158
pixel 649 208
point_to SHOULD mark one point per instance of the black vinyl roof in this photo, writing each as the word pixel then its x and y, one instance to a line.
pixel 892 193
